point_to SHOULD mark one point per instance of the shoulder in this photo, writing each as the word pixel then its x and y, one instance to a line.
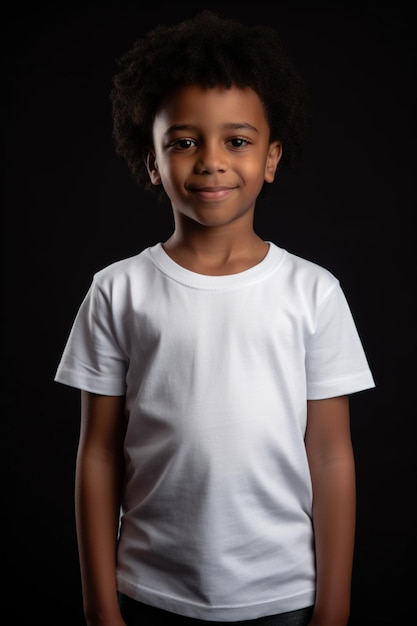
pixel 308 267
pixel 124 271
pixel 120 283
pixel 306 276
pixel 121 267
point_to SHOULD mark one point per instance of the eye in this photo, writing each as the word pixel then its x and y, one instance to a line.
pixel 239 142
pixel 182 144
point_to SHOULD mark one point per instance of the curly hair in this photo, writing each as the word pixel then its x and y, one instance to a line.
pixel 208 50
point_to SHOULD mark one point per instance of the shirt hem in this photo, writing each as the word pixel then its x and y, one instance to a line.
pixel 102 386
pixel 216 613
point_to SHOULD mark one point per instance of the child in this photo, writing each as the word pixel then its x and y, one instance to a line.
pixel 215 367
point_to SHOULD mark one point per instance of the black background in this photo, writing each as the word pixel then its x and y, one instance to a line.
pixel 70 207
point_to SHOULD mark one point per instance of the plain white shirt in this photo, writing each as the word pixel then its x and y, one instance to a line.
pixel 217 371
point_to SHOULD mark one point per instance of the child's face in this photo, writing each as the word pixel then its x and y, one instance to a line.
pixel 212 153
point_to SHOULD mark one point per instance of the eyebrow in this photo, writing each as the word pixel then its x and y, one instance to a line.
pixel 230 126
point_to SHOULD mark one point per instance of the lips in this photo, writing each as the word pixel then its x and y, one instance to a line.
pixel 212 193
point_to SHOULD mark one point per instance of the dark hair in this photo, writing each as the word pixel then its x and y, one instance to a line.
pixel 208 50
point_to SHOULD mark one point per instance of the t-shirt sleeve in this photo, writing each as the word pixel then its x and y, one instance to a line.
pixel 92 359
pixel 336 363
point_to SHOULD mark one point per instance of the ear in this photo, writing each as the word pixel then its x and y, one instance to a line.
pixel 152 167
pixel 274 156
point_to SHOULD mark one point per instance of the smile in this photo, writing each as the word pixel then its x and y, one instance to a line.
pixel 211 193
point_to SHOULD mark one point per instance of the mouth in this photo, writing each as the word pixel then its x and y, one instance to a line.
pixel 211 193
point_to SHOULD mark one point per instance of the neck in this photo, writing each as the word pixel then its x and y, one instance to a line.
pixel 216 253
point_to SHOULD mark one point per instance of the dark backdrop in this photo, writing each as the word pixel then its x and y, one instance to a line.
pixel 71 207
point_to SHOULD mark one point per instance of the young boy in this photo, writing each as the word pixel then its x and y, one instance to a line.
pixel 215 474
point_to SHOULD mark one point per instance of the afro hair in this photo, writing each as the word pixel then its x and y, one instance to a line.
pixel 209 50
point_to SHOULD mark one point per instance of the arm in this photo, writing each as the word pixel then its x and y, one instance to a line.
pixel 331 460
pixel 98 480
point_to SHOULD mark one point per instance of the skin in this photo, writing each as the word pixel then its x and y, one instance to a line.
pixel 212 153
pixel 99 471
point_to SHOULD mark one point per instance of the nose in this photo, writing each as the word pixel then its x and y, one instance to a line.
pixel 211 158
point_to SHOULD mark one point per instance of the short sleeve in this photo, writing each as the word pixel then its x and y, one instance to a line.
pixel 92 359
pixel 336 363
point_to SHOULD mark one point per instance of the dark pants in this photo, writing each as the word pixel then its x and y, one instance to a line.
pixel 137 614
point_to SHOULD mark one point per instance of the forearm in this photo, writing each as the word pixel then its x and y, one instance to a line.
pixel 97 508
pixel 334 512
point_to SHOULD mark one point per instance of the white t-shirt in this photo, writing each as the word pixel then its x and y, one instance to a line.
pixel 217 370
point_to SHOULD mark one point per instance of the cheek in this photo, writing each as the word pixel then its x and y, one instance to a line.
pixel 254 170
pixel 176 170
pixel 164 169
pixel 172 177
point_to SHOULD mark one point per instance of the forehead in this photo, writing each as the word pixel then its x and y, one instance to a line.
pixel 211 106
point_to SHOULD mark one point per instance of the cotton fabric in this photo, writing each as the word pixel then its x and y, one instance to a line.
pixel 217 370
